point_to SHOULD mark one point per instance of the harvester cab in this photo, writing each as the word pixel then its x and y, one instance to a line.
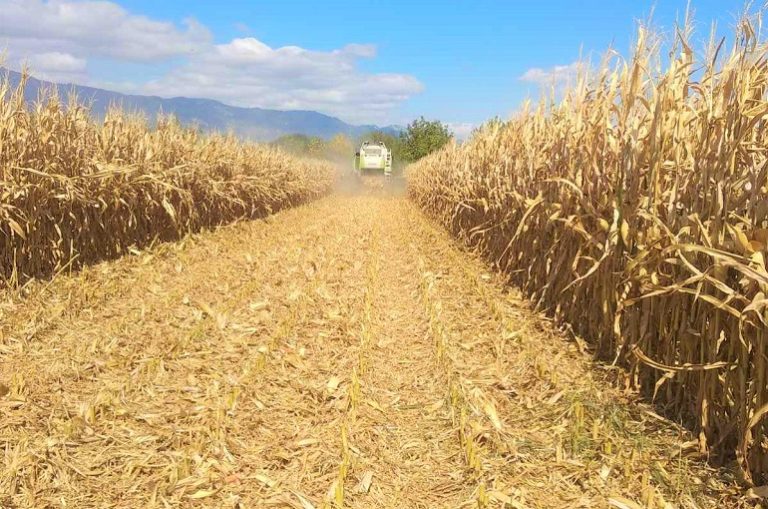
pixel 373 158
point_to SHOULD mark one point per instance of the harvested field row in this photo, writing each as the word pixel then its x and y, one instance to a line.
pixel 293 362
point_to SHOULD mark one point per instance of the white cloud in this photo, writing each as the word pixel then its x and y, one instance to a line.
pixel 58 38
pixel 462 130
pixel 56 61
pixel 248 72
pixel 93 28
pixel 557 75
pixel 57 66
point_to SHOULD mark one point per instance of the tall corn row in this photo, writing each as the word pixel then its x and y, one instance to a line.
pixel 636 209
pixel 74 192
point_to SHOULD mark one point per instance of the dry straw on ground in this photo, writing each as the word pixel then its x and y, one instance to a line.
pixel 344 353
pixel 636 210
pixel 73 191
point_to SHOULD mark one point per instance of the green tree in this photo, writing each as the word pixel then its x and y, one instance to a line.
pixel 422 137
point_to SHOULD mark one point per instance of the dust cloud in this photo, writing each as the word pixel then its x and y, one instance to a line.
pixel 351 184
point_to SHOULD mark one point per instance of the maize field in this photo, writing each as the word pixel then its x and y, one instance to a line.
pixel 635 212
pixel 190 320
pixel 73 192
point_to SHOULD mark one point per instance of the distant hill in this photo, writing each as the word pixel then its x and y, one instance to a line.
pixel 253 123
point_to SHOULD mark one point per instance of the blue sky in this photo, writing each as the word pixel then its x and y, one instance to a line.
pixel 365 60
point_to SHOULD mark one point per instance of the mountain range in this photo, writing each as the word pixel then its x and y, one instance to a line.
pixel 251 123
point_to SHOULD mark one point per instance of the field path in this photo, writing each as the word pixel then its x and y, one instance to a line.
pixel 346 353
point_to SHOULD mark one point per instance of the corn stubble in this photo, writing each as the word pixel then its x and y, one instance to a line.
pixel 73 191
pixel 636 210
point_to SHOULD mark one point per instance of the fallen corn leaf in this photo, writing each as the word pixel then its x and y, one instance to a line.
pixel 333 384
pixel 265 480
pixel 623 503
pixel 365 482
pixel 203 493
pixel 305 504
pixel 490 410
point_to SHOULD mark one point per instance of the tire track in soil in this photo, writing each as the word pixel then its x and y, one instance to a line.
pixel 407 441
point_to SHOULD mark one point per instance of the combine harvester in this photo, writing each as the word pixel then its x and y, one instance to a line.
pixel 373 158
